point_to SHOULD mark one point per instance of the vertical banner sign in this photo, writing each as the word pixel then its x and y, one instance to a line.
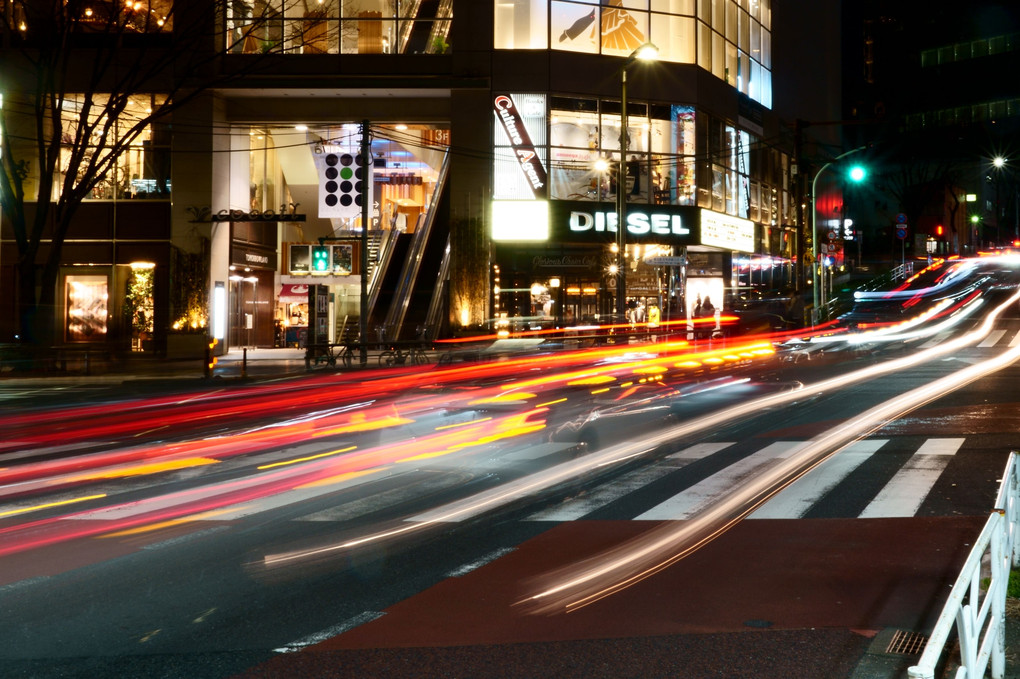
pixel 520 141
pixel 345 180
pixel 318 314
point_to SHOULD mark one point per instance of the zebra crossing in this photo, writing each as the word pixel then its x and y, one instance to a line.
pixel 993 339
pixel 901 495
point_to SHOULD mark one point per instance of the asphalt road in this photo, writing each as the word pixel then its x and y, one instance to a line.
pixel 647 541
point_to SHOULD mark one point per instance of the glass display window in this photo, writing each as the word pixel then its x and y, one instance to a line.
pixel 731 40
pixel 86 307
pixel 521 24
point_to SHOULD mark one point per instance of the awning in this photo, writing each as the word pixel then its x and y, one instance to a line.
pixel 293 292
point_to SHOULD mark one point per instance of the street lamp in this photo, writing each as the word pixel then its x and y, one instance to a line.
pixel 857 173
pixel 646 52
pixel 1000 163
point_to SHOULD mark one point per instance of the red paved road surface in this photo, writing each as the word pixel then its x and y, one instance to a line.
pixel 767 599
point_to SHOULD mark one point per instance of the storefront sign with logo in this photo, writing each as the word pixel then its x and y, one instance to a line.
pixel 727 232
pixel 252 257
pixel 204 215
pixel 520 141
pixel 581 222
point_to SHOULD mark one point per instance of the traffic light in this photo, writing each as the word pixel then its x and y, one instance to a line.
pixel 320 259
pixel 938 230
pixel 857 173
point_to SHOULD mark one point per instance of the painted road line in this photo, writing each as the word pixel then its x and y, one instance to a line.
pixel 577 507
pixel 475 565
pixel 938 339
pixel 908 488
pixel 1015 341
pixel 686 504
pixel 796 499
pixel 993 337
pixel 337 630
pixel 700 450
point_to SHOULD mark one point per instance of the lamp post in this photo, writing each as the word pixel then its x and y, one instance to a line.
pixel 646 52
pixel 1000 163
pixel 818 273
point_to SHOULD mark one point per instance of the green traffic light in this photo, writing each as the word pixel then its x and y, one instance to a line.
pixel 320 259
pixel 858 173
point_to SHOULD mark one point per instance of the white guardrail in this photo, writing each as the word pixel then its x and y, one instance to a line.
pixel 979 614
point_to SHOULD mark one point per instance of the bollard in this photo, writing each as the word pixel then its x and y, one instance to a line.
pixel 244 362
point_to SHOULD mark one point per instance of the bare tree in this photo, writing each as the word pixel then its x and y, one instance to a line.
pixel 74 71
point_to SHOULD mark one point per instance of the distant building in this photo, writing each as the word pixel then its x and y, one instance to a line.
pixel 931 84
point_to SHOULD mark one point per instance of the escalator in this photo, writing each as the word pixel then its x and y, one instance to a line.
pixel 413 282
pixel 430 21
pixel 387 281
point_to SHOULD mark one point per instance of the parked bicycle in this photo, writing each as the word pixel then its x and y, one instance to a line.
pixel 403 356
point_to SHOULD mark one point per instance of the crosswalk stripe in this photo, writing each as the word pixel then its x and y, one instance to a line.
pixel 908 488
pixel 575 508
pixel 700 450
pixel 796 499
pixel 937 339
pixel 993 337
pixel 687 503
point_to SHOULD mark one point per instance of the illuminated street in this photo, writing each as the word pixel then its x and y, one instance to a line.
pixel 741 492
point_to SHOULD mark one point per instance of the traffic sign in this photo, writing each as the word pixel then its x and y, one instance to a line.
pixel 901 232
pixel 901 218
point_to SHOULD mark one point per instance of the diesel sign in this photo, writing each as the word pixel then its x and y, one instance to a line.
pixel 575 221
pixel 638 223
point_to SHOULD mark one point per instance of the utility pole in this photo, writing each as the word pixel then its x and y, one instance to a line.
pixel 803 235
pixel 366 212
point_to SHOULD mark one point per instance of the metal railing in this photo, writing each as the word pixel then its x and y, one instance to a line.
pixel 980 621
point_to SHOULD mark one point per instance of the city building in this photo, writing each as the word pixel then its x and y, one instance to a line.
pixel 506 141
pixel 927 83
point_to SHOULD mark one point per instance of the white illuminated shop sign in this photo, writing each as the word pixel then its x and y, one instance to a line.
pixel 584 222
pixel 520 141
pixel 638 223
pixel 727 232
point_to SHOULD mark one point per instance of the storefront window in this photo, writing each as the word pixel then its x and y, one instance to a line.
pixel 86 304
pixel 675 38
pixel 143 169
pixel 585 152
pixel 337 27
pixel 521 24
pixel 265 174
pixel 730 39
pixel 138 304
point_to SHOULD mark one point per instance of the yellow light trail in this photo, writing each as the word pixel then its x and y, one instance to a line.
pixel 141 469
pixel 61 503
pixel 167 524
pixel 306 459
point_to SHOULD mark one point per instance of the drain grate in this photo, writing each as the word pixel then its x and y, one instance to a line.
pixel 906 643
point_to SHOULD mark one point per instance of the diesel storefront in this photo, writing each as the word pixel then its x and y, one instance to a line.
pixel 695 229
pixel 674 256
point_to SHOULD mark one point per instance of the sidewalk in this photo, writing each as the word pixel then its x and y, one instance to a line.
pixel 237 363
